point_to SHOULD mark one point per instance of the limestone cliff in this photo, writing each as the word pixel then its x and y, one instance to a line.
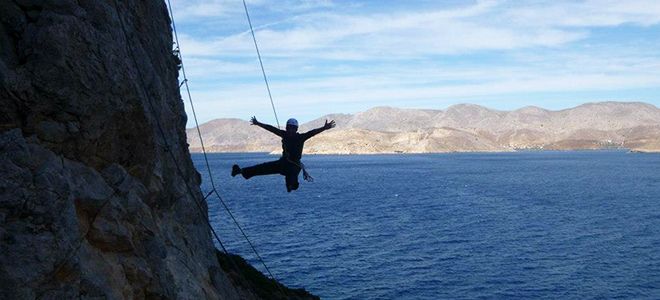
pixel 98 195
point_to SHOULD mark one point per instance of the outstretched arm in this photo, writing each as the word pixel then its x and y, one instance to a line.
pixel 270 128
pixel 316 131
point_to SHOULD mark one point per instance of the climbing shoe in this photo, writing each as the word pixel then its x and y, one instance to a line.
pixel 235 170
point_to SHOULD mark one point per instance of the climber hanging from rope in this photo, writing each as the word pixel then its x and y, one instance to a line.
pixel 289 164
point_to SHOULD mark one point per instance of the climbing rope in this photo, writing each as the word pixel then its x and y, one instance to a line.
pixel 214 190
pixel 300 165
pixel 263 72
pixel 168 149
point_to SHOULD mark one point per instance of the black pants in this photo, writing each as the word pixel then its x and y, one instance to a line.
pixel 280 166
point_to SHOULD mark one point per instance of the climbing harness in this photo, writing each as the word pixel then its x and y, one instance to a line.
pixel 306 175
pixel 299 164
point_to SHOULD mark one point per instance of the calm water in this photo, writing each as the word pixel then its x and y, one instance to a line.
pixel 507 225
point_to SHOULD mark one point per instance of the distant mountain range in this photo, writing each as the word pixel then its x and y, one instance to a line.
pixel 459 128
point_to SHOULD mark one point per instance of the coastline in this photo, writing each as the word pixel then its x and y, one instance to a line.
pixel 276 153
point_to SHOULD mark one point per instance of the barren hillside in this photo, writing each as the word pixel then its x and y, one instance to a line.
pixel 459 128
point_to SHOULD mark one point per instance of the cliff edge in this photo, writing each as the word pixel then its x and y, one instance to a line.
pixel 94 165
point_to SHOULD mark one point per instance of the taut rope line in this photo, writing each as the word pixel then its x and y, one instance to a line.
pixel 263 71
pixel 201 140
pixel 300 165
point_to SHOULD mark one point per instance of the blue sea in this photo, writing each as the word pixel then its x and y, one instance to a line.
pixel 559 225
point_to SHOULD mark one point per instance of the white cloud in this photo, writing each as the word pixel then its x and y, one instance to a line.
pixel 201 68
pixel 318 56
pixel 422 87
pixel 486 25
pixel 338 36
pixel 590 13
pixel 193 10
pixel 185 10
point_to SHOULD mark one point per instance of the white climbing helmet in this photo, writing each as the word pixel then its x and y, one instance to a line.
pixel 292 122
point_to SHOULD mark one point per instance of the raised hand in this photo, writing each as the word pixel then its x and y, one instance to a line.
pixel 254 121
pixel 329 125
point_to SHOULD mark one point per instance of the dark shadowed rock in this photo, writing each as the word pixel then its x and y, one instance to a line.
pixel 94 165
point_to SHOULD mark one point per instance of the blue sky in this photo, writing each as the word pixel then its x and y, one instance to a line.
pixel 325 56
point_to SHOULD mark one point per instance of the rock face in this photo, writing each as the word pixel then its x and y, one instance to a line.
pixel 98 195
pixel 460 128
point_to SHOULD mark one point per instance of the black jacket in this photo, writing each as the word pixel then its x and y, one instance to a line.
pixel 292 145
